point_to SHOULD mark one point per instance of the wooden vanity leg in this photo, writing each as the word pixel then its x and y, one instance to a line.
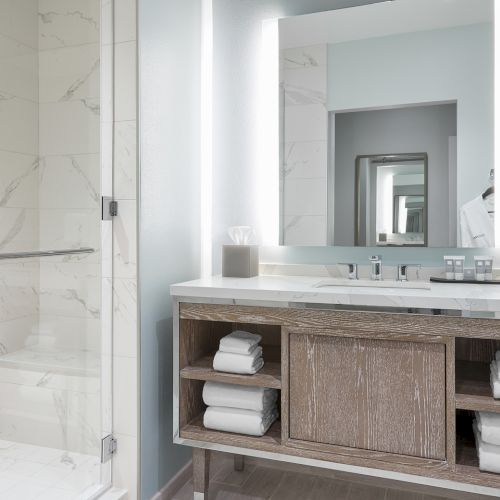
pixel 239 463
pixel 201 467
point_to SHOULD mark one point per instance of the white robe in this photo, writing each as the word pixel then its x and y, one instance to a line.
pixel 477 229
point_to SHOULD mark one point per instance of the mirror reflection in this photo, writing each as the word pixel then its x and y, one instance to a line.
pixel 391 200
pixel 387 125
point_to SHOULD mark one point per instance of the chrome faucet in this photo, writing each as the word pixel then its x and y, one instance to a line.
pixel 352 270
pixel 376 261
pixel 403 271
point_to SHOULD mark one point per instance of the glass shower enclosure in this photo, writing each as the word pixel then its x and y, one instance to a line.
pixel 55 277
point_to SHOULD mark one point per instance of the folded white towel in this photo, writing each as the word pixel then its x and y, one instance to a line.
pixel 239 363
pixel 239 396
pixel 253 423
pixel 495 380
pixel 496 368
pixel 239 342
pixel 489 454
pixel 489 427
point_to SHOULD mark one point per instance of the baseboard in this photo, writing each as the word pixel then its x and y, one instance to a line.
pixel 175 484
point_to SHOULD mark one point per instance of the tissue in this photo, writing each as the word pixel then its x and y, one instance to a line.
pixel 240 235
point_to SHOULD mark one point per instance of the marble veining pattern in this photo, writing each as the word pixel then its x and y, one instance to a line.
pixel 40 473
pixel 289 290
pixel 305 157
pixel 64 23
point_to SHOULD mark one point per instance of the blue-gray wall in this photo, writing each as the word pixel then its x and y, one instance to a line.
pixel 169 38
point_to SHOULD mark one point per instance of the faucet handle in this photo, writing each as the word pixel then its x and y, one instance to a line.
pixel 353 269
pixel 403 270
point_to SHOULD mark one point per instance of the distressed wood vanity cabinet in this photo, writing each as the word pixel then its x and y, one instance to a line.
pixel 380 391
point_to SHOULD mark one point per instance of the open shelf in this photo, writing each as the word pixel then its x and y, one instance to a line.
pixel 201 369
pixel 467 460
pixel 195 430
pixel 473 389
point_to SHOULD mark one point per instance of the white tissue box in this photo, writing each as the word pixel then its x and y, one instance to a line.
pixel 240 261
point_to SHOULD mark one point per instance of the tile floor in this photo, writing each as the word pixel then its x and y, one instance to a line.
pixel 36 473
pixel 278 481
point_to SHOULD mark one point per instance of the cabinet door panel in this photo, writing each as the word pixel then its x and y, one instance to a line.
pixel 381 395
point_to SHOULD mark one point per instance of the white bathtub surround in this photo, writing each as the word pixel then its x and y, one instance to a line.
pixel 304 173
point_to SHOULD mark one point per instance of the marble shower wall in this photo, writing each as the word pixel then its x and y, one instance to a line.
pixel 50 199
pixel 19 168
pixel 305 148
pixel 69 173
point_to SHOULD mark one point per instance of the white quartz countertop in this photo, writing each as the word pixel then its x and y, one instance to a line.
pixel 300 289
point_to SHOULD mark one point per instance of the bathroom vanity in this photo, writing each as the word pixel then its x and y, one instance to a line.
pixel 377 381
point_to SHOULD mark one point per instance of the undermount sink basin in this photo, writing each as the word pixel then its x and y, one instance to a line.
pixel 418 285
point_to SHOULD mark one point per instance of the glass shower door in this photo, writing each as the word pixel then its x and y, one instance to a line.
pixel 55 373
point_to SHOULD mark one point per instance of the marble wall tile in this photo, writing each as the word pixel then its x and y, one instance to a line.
pixel 76 228
pixel 18 69
pixel 305 57
pixel 19 21
pixel 125 168
pixel 125 407
pixel 51 418
pixel 63 23
pixel 125 466
pixel 70 128
pixel 305 197
pixel 125 240
pixel 125 317
pixel 14 332
pixel 70 295
pixel 69 73
pixel 80 172
pixel 305 230
pixel 106 91
pixel 18 229
pixel 18 180
pixel 125 81
pixel 306 123
pixel 18 130
pixel 17 302
pixel 72 333
pixel 125 21
pixel 305 86
pixel 305 160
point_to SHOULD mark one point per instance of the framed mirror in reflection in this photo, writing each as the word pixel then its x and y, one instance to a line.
pixel 388 125
pixel 391 200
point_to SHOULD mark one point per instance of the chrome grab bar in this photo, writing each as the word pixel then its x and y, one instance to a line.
pixel 47 253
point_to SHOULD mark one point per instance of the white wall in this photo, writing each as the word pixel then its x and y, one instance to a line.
pixel 455 64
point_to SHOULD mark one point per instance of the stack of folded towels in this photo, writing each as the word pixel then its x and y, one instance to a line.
pixel 239 409
pixel 495 376
pixel 487 432
pixel 239 352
